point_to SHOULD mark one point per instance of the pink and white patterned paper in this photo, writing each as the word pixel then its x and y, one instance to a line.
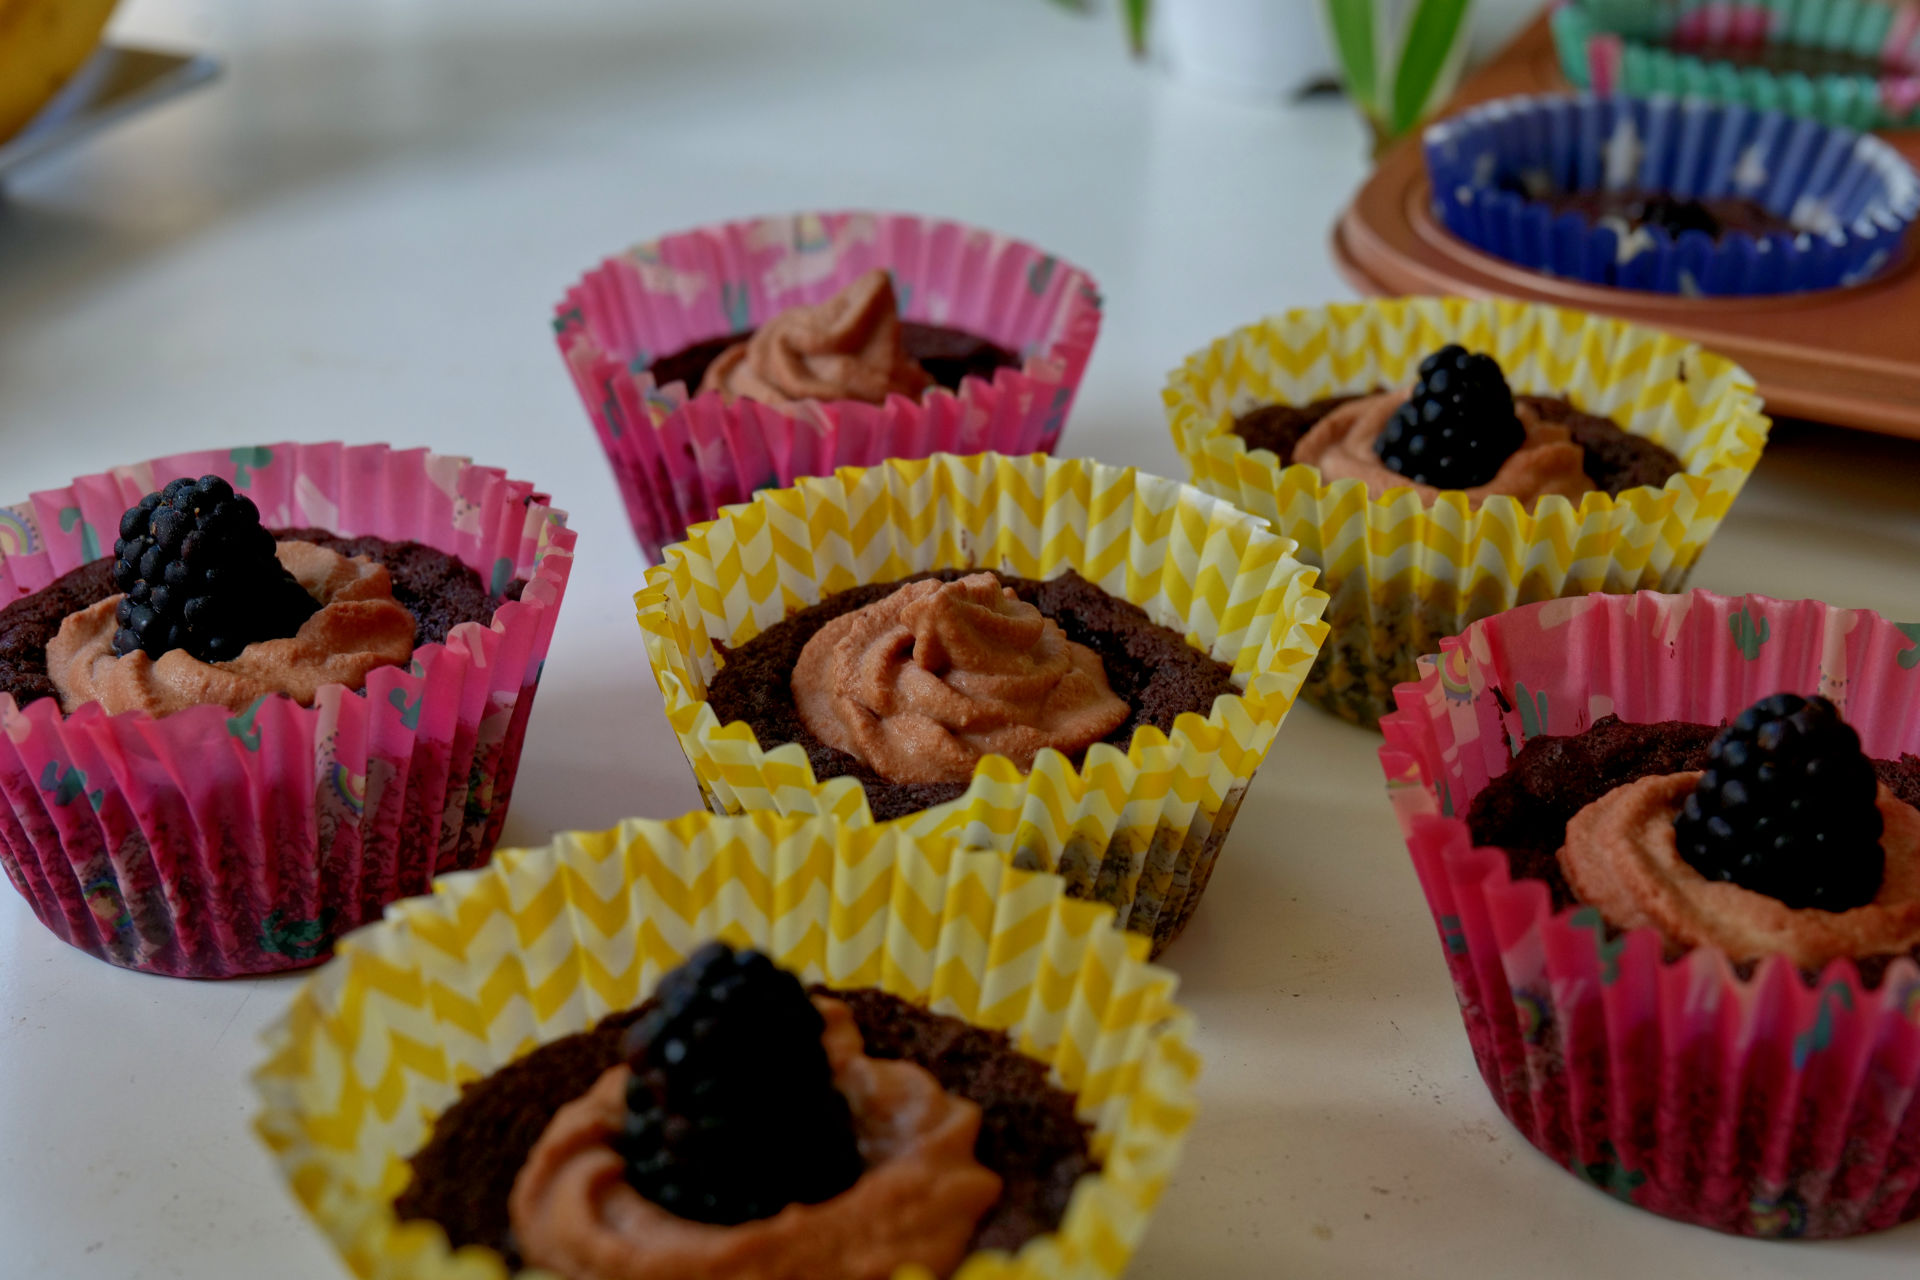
pixel 679 457
pixel 1776 1105
pixel 207 844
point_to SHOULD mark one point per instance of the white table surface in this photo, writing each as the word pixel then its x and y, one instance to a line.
pixel 358 234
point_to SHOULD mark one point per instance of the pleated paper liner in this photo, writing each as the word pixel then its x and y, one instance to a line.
pixel 206 844
pixel 1403 575
pixel 679 456
pixel 1849 197
pixel 1680 49
pixel 1775 1105
pixel 547 942
pixel 1139 830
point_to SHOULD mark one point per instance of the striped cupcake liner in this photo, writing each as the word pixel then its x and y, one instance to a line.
pixel 1850 198
pixel 545 943
pixel 1668 47
pixel 1403 574
pixel 1139 829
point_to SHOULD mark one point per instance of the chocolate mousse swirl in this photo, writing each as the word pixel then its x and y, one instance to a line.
pixel 923 683
pixel 1340 445
pixel 914 1206
pixel 359 627
pixel 1621 856
pixel 850 347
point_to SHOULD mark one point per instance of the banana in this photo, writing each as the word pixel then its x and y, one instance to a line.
pixel 42 43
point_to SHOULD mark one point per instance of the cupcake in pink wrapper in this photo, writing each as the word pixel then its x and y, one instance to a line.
pixel 172 813
pixel 730 359
pixel 1745 1053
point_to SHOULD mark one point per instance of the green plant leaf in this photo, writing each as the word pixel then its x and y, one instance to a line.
pixel 1352 24
pixel 1135 12
pixel 1435 33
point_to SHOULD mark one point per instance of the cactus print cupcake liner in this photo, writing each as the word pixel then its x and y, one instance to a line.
pixel 1764 1106
pixel 679 456
pixel 548 942
pixel 1669 47
pixel 1139 830
pixel 1401 574
pixel 1849 196
pixel 205 844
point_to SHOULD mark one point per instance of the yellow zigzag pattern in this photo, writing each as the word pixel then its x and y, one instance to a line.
pixel 1403 575
pixel 543 943
pixel 1158 812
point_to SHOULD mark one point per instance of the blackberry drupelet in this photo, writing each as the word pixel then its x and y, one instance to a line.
pixel 199 573
pixel 732 1113
pixel 1786 808
pixel 1457 427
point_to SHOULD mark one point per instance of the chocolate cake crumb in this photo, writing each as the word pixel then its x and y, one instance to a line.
pixel 1524 812
pixel 1149 667
pixel 436 588
pixel 1617 460
pixel 1277 428
pixel 30 622
pixel 1029 1134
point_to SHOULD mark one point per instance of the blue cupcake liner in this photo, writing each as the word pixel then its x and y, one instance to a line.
pixel 1851 196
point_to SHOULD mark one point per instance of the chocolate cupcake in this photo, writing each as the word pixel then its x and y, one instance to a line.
pixel 567 1101
pixel 1839 62
pixel 352 697
pixel 1147 642
pixel 733 358
pixel 799 1122
pixel 1672 849
pixel 1670 195
pixel 1442 460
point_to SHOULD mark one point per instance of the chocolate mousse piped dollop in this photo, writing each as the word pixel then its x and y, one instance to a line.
pixel 850 347
pixel 750 1137
pixel 1458 428
pixel 924 682
pixel 214 611
pixel 1786 844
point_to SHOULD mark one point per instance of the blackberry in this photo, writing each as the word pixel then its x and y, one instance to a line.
pixel 1457 427
pixel 1786 808
pixel 198 572
pixel 732 1113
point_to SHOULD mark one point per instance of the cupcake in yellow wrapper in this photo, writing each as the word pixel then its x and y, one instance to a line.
pixel 1401 574
pixel 543 943
pixel 1138 830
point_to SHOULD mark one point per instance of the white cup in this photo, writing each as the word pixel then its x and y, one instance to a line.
pixel 1246 48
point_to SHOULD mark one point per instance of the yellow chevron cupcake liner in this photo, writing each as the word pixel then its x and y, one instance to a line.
pixel 544 943
pixel 1403 575
pixel 1139 830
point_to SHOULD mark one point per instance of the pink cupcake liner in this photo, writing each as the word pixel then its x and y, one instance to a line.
pixel 1764 1106
pixel 680 457
pixel 206 844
